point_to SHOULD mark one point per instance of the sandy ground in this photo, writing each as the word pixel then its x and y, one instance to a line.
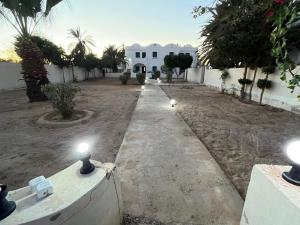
pixel 28 150
pixel 238 135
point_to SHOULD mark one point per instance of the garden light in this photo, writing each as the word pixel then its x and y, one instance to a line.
pixel 173 102
pixel 87 166
pixel 6 207
pixel 293 152
pixel 143 87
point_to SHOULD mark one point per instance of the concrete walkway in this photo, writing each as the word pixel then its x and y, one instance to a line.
pixel 167 174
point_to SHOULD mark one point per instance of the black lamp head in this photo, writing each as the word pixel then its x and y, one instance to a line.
pixel 6 207
pixel 292 176
pixel 293 152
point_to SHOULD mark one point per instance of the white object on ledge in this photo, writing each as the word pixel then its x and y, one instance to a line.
pixel 93 199
pixel 41 187
pixel 270 199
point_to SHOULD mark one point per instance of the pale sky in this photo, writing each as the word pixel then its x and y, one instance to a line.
pixel 118 22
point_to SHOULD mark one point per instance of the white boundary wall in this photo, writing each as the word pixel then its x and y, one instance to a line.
pixel 11 77
pixel 279 95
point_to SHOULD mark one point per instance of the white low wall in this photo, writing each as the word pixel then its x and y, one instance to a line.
pixel 279 95
pixel 11 77
pixel 270 199
pixel 113 75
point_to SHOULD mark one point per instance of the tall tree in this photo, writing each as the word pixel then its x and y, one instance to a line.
pixel 114 57
pixel 81 45
pixel 171 62
pixel 237 35
pixel 24 15
pixel 184 62
pixel 79 48
pixel 265 83
pixel 51 53
pixel 90 63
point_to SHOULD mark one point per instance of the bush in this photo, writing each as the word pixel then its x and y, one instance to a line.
pixel 245 81
pixel 263 83
pixel 155 74
pixel 224 75
pixel 61 96
pixel 128 74
pixel 141 78
pixel 125 77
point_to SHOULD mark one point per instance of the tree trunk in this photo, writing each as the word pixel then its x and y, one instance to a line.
pixel 33 69
pixel 73 73
pixel 243 94
pixel 263 90
pixel 63 73
pixel 33 89
pixel 253 81
pixel 223 86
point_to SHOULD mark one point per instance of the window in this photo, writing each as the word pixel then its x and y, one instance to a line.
pixel 154 68
pixel 187 53
pixel 154 54
pixel 137 55
pixel 171 53
pixel 143 54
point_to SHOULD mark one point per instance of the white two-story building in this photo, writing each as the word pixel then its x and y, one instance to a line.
pixel 145 59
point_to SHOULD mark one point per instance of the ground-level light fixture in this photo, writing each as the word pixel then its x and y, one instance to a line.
pixel 143 87
pixel 84 155
pixel 293 152
pixel 6 207
pixel 173 102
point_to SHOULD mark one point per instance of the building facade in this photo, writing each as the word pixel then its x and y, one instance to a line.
pixel 145 59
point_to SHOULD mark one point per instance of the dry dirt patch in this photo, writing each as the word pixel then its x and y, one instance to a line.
pixel 238 135
pixel 28 150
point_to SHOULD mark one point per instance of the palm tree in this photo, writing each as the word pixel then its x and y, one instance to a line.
pixel 113 57
pixel 81 46
pixel 24 16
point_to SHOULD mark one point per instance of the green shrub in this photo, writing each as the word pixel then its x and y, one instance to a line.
pixel 125 77
pixel 245 81
pixel 61 96
pixel 224 75
pixel 155 74
pixel 263 83
pixel 128 74
pixel 141 78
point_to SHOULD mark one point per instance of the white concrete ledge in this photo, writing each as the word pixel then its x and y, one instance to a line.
pixel 270 199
